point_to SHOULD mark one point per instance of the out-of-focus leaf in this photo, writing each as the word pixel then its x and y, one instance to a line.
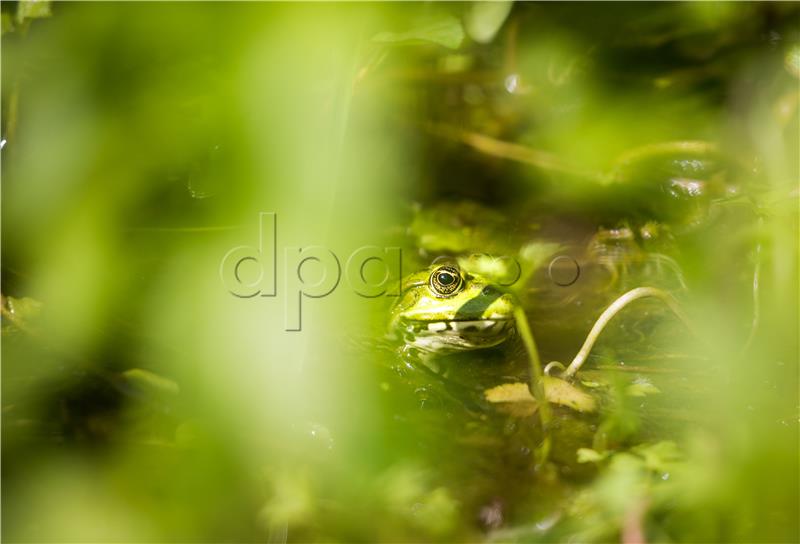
pixel 588 455
pixel 32 9
pixel 659 457
pixel 792 60
pixel 535 254
pixel 20 312
pixel 484 19
pixel 437 511
pixel 446 32
pixel 7 24
pixel 23 309
pixel 291 501
pixel 150 381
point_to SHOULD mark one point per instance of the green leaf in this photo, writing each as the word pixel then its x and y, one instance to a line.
pixel 588 455
pixel 556 391
pixel 561 392
pixel 446 31
pixel 33 9
pixel 484 19
pixel 659 457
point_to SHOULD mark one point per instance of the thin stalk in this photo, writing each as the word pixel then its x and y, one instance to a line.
pixel 614 309
pixel 537 387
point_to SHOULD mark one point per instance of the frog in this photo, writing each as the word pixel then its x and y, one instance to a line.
pixel 444 309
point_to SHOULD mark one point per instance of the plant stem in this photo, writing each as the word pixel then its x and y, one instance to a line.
pixel 537 387
pixel 614 309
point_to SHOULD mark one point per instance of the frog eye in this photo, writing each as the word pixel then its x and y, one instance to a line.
pixel 445 281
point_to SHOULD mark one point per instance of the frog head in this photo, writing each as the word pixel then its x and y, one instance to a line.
pixel 443 309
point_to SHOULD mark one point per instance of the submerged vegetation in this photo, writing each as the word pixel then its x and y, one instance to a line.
pixel 596 337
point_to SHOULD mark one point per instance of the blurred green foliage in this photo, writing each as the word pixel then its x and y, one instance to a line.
pixel 142 402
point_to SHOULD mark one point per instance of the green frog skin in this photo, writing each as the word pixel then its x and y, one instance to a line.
pixel 444 310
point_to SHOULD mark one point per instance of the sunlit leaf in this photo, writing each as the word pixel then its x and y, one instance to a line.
pixel 32 9
pixel 484 19
pixel 509 392
pixel 561 392
pixel 588 455
pixel 556 391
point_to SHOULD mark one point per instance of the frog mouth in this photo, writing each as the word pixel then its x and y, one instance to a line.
pixel 453 335
pixel 461 326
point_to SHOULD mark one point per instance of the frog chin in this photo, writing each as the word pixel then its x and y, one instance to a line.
pixel 458 335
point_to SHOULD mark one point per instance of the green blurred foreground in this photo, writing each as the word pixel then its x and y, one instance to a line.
pixel 142 402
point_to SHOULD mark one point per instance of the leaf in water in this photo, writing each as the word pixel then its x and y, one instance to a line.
pixel 150 381
pixel 513 398
pixel 642 387
pixel 556 391
pixel 484 19
pixel 446 31
pixel 561 392
pixel 509 392
pixel 32 9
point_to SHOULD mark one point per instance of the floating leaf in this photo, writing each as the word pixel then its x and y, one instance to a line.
pixel 556 391
pixel 446 31
pixel 561 392
pixel 484 19
pixel 509 392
